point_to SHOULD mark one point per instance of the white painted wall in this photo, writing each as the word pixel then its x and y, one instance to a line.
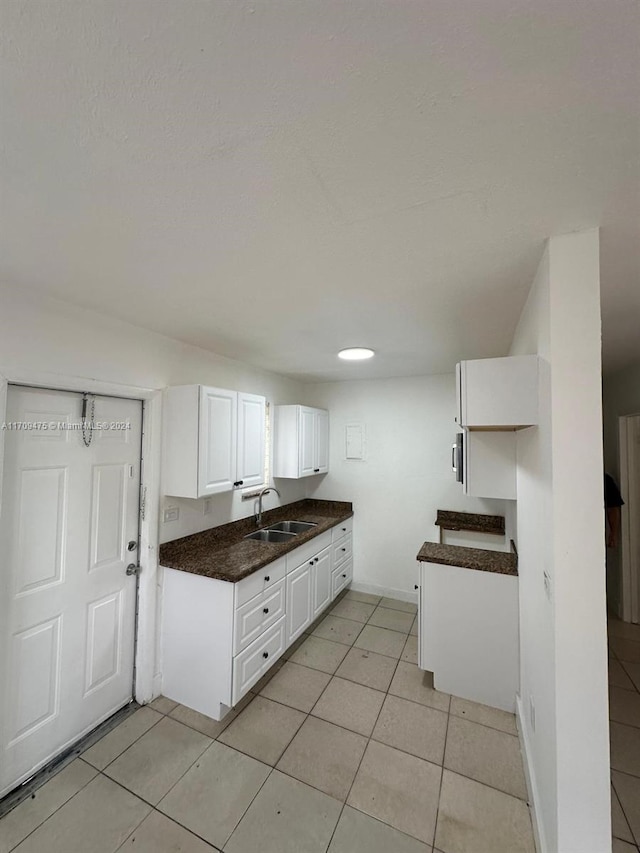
pixel 620 396
pixel 44 334
pixel 406 475
pixel 560 523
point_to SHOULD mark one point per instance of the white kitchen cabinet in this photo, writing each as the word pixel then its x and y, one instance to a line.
pixel 497 393
pixel 299 601
pixel 322 590
pixel 219 638
pixel 214 440
pixel 301 441
pixel 489 467
pixel 468 633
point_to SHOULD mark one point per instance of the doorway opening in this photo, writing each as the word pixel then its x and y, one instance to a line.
pixel 629 449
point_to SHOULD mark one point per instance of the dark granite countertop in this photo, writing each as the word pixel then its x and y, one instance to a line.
pixel 501 562
pixel 222 552
pixel 452 520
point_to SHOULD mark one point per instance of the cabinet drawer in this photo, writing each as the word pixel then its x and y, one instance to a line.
pixel 342 550
pixel 305 552
pixel 341 529
pixel 259 581
pixel 251 663
pixel 258 614
pixel 341 577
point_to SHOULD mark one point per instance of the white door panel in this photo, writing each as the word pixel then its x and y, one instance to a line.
pixel 67 607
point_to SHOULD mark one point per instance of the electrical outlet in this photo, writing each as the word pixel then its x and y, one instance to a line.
pixel 532 714
pixel 547 584
pixel 171 513
pixel 207 507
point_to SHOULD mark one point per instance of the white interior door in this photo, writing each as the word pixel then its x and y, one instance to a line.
pixel 67 607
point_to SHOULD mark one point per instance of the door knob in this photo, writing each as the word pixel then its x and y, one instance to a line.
pixel 132 569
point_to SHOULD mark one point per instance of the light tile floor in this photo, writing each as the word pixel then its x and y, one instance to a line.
pixel 344 748
pixel 624 713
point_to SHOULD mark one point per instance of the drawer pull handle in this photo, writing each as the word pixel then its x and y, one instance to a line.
pixel 343 549
pixel 265 654
pixel 344 529
pixel 267 579
pixel 265 609
pixel 316 470
pixel 310 562
pixel 344 576
pixel 415 586
pixel 316 559
pixel 238 482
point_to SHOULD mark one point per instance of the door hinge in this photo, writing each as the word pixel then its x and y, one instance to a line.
pixel 143 502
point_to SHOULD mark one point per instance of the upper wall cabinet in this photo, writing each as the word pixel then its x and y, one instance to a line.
pixel 301 442
pixel 214 440
pixel 498 393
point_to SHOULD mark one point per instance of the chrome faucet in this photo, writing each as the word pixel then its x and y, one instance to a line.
pixel 258 515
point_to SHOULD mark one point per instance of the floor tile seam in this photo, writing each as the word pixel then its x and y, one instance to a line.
pixel 42 822
pixel 101 769
pixel 368 739
pixel 363 649
pixel 138 825
pixel 628 674
pixel 277 702
pixel 632 689
pixel 394 610
pixel 383 628
pixel 140 797
pixel 344 619
pixel 486 725
pixel 228 838
pixel 524 799
pixel 248 754
pixel 421 704
pixel 625 773
pixel 355 775
pixel 624 722
pixel 435 826
pixel 406 751
pixel 337 642
pixel 622 808
pixel 202 838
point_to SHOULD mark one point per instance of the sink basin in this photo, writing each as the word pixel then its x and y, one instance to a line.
pixel 270 536
pixel 293 526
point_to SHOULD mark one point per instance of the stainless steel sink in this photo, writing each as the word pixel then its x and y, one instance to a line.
pixel 270 536
pixel 292 526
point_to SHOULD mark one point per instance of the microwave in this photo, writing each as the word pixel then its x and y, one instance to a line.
pixel 457 457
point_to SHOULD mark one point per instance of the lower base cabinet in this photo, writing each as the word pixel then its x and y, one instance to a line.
pixel 299 601
pixel 220 638
pixel 468 634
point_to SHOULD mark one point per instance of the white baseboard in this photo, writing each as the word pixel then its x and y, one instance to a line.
pixel 530 777
pixel 386 591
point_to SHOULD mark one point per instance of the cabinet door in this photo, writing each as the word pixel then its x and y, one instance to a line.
pixel 251 429
pixel 322 442
pixel 307 439
pixel 217 447
pixel 490 465
pixel 321 581
pixel 299 601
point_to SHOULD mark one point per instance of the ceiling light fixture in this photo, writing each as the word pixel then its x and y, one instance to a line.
pixel 356 353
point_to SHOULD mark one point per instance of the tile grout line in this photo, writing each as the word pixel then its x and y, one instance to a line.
pixel 444 752
pixel 355 775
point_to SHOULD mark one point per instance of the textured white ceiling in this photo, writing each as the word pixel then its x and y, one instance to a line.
pixel 278 180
